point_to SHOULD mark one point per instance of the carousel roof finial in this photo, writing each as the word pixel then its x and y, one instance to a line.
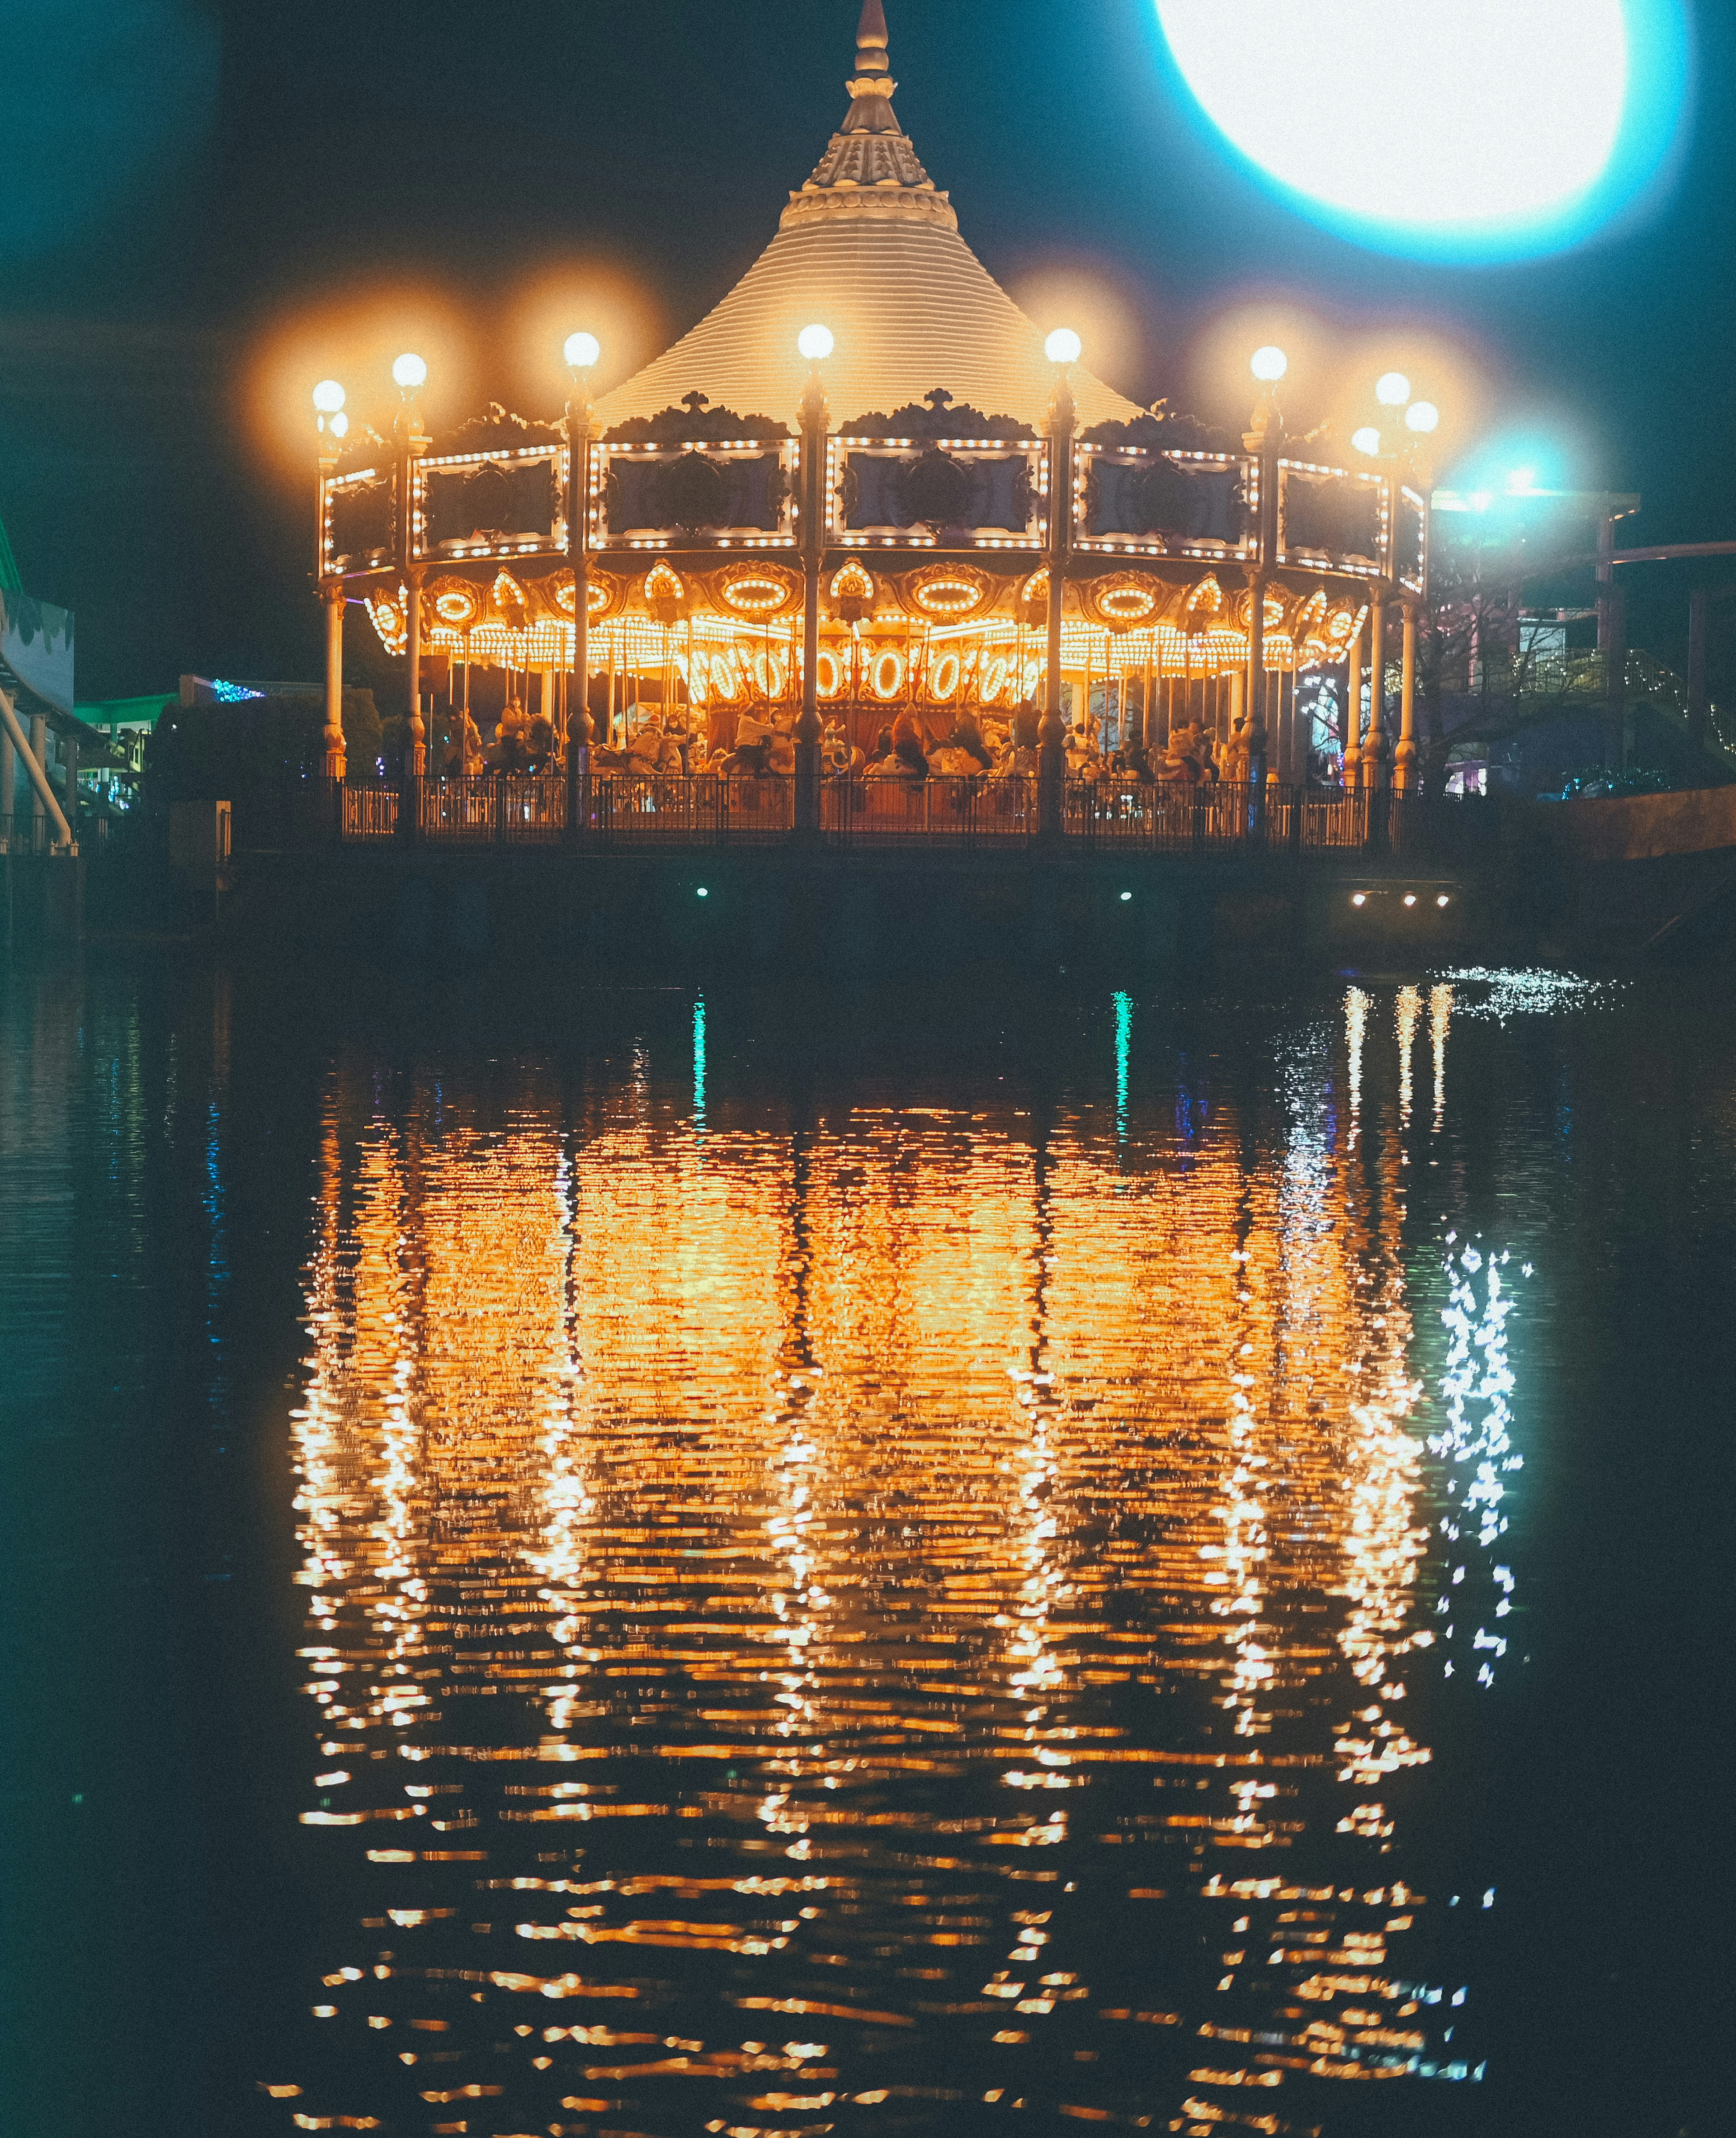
pixel 871 86
pixel 871 167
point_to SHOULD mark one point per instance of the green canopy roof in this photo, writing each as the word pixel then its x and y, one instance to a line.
pixel 10 583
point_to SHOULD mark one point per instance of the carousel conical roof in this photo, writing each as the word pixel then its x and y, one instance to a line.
pixel 870 248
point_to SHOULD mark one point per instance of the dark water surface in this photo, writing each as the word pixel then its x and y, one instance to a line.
pixel 643 1565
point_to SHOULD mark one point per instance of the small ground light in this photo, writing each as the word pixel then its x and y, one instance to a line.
pixel 1359 898
pixel 1442 900
pixel 702 893
pixel 1409 898
pixel 1125 895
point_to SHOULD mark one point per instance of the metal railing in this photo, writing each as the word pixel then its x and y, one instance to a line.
pixel 669 810
pixel 506 809
pixel 978 814
pixel 369 811
pixel 25 833
pixel 939 811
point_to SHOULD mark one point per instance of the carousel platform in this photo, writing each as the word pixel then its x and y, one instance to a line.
pixel 662 878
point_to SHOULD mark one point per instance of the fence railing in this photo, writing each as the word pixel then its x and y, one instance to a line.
pixel 369 811
pixel 940 810
pixel 25 832
pixel 708 811
pixel 509 808
pixel 979 815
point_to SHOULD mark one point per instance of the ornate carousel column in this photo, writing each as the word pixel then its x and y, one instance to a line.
pixel 411 443
pixel 1354 713
pixel 334 426
pixel 1264 440
pixel 582 351
pixel 1374 743
pixel 336 760
pixel 1052 762
pixel 815 344
pixel 1404 761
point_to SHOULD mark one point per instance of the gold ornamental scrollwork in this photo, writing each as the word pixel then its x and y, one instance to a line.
pixel 1129 601
pixel 756 591
pixel 604 594
pixel 947 593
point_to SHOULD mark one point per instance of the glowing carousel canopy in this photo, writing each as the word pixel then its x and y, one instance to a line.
pixel 940 519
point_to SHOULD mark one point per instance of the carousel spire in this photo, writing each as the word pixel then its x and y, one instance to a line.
pixel 871 86
pixel 871 168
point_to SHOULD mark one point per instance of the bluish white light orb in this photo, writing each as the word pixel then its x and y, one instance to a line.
pixel 1269 364
pixel 1455 129
pixel 815 344
pixel 327 397
pixel 409 372
pixel 1366 440
pixel 1422 415
pixel 1392 389
pixel 1063 346
pixel 581 350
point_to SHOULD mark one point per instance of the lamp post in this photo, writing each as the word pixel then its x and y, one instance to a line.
pixel 815 344
pixel 333 426
pixel 410 373
pixel 1062 350
pixel 1263 438
pixel 582 351
pixel 1421 418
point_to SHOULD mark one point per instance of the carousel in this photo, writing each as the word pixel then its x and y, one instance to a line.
pixel 864 522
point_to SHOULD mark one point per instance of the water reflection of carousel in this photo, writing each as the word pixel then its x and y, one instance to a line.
pixel 864 518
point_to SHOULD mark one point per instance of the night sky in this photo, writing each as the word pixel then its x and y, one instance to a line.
pixel 207 207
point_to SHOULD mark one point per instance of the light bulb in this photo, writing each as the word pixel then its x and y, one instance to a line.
pixel 409 372
pixel 581 350
pixel 1392 389
pixel 327 397
pixel 815 343
pixel 1366 440
pixel 1269 364
pixel 1063 346
pixel 339 425
pixel 1422 416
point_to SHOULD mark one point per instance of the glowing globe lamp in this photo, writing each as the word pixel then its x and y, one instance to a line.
pixel 1366 440
pixel 327 397
pixel 1386 120
pixel 338 425
pixel 581 350
pixel 815 344
pixel 1063 346
pixel 1269 364
pixel 409 372
pixel 1392 389
pixel 1422 415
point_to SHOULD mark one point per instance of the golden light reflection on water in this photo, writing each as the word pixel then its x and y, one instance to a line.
pixel 816 1621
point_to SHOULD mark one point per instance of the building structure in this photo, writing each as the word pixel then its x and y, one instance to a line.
pixel 39 732
pixel 865 485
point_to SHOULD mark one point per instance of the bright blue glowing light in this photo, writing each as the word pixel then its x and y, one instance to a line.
pixel 1451 130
